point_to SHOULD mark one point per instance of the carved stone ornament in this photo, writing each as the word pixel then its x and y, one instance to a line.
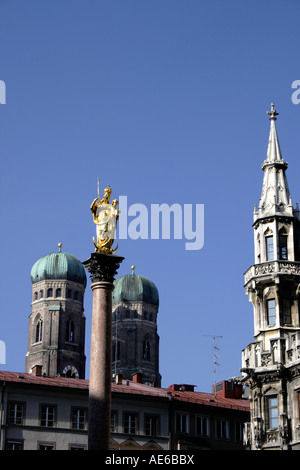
pixel 103 267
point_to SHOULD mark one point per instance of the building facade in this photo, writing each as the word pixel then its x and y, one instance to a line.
pixel 271 363
pixel 51 413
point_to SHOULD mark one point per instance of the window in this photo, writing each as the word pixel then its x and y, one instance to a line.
pixel 273 412
pixel 15 413
pixel 13 445
pixel 286 311
pixel 239 432
pixel 130 423
pixel 70 331
pixel 182 423
pixel 79 418
pixel 151 425
pixel 271 316
pixel 39 331
pixel 50 292
pixel 116 351
pixel 269 248
pixel 283 253
pixel 58 293
pixel 46 446
pixel 146 350
pixel 202 426
pixel 41 294
pixel 36 296
pixel 113 421
pixel 222 428
pixel 76 295
pixel 47 416
pixel 69 294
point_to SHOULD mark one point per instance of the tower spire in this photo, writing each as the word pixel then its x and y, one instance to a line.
pixel 274 151
pixel 275 196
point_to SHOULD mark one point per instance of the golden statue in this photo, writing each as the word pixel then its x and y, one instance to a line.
pixel 105 217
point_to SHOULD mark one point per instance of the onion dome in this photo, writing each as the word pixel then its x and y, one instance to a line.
pixel 58 265
pixel 135 288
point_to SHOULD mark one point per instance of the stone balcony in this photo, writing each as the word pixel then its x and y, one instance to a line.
pixel 283 350
pixel 272 268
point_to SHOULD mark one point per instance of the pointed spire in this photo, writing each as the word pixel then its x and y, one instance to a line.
pixel 275 196
pixel 273 152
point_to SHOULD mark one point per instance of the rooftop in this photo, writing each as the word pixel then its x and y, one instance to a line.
pixel 130 387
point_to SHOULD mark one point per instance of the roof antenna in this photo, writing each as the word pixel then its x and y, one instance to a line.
pixel 215 357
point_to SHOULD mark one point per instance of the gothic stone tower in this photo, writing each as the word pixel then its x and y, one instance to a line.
pixel 57 322
pixel 134 329
pixel 271 363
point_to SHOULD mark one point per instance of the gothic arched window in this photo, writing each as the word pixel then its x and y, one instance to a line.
pixel 116 351
pixel 38 331
pixel 70 331
pixel 146 349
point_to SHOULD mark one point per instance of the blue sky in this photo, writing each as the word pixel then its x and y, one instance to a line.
pixel 166 102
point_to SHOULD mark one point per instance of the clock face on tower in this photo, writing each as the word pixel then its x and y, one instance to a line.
pixel 71 371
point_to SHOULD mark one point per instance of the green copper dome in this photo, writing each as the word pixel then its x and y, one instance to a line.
pixel 135 288
pixel 58 265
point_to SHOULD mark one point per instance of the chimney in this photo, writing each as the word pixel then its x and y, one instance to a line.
pixel 37 370
pixel 119 379
pixel 137 378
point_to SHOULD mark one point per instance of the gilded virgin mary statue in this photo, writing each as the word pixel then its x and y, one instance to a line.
pixel 105 217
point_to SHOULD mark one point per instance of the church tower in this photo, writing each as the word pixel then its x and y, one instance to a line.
pixel 134 329
pixel 271 363
pixel 56 334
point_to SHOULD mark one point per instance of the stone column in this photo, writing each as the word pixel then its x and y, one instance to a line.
pixel 102 268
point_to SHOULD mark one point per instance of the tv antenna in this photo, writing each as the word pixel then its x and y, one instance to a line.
pixel 215 357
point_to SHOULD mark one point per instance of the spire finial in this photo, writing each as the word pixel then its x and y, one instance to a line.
pixel 272 113
pixel 132 269
pixel 59 247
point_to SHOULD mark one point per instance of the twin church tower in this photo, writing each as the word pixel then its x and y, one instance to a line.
pixel 56 336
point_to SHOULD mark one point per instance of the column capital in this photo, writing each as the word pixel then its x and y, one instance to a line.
pixel 103 267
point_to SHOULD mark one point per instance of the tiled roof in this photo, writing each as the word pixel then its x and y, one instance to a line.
pixel 129 387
